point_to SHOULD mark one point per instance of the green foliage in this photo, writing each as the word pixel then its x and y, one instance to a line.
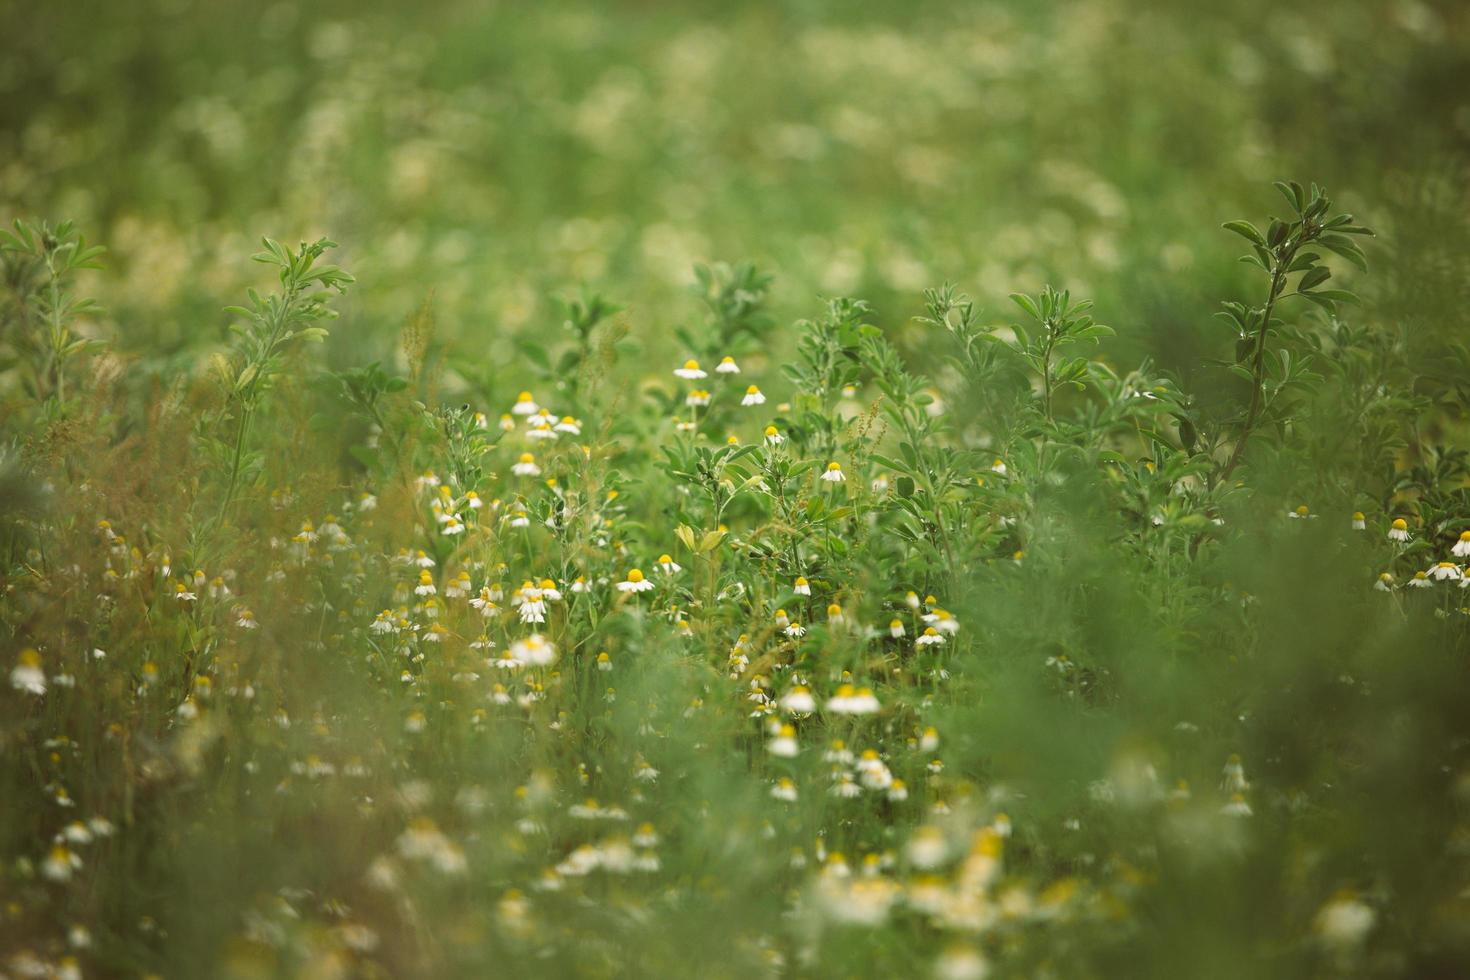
pixel 1119 614
pixel 1275 376
pixel 893 637
pixel 39 265
pixel 272 325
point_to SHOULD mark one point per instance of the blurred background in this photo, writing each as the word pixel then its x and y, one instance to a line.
pixel 496 154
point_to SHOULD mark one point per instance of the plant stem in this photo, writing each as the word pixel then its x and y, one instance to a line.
pixel 1258 361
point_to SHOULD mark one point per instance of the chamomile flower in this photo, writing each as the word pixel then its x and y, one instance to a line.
pixel 1398 530
pixel 27 675
pixel 1360 522
pixel 784 789
pixel 1232 778
pixel 697 398
pixel 773 436
pixel 1445 571
pixel 833 473
pixel 961 963
pixel 1344 922
pixel 525 405
pixel 784 745
pixel 873 771
pixel 604 662
pixel 879 484
pixel 483 602
pixel 838 753
pixel 535 650
pixel 1237 807
pixel 930 637
pixel 802 587
pixel 850 700
pixel 569 425
pixel 526 466
pixel 799 701
pixel 895 628
pixel 691 371
pixel 532 608
pixel 668 566
pixel 834 615
pixel 60 863
pixel 1462 546
pixel 727 365
pixel 1384 582
pixel 1420 581
pixel 541 431
pixel 753 396
pixel 795 630
pixel 426 584
pixel 635 582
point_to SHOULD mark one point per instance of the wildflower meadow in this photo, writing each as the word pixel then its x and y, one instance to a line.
pixel 760 489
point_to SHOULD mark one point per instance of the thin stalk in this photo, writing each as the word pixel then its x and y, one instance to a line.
pixel 1258 361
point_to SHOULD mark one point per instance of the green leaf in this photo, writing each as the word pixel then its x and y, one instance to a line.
pixel 1026 303
pixel 1346 248
pixel 1315 277
pixel 1245 230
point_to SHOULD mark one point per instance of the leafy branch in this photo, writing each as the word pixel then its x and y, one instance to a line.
pixel 272 324
pixel 40 265
pixel 1063 323
pixel 1282 252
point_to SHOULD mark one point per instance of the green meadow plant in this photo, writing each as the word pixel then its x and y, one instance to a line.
pixel 820 659
pixel 271 325
pixel 40 264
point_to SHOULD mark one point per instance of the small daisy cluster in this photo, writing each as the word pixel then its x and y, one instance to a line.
pixel 1406 551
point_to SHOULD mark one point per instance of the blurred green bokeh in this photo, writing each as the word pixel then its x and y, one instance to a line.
pixel 497 153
